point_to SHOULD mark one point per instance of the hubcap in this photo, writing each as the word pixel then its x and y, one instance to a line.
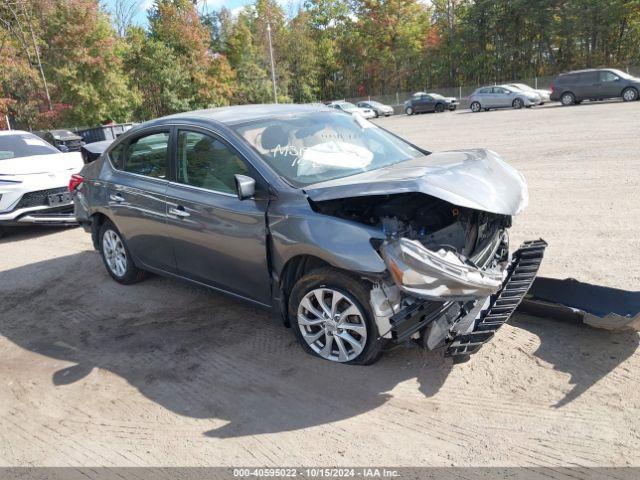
pixel 475 107
pixel 332 325
pixel 567 99
pixel 629 95
pixel 114 253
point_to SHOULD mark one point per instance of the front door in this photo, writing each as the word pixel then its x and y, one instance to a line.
pixel 136 196
pixel 610 84
pixel 218 239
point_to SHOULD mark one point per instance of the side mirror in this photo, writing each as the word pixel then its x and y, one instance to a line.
pixel 245 186
pixel 63 148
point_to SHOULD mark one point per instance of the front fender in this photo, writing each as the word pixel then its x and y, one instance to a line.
pixel 340 243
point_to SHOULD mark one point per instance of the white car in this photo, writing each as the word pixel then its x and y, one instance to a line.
pixel 349 107
pixel 34 179
pixel 545 95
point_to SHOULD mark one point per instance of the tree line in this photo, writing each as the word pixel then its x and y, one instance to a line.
pixel 76 63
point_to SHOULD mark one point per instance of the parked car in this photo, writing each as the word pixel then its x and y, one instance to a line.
pixel 110 131
pixel 350 108
pixel 501 96
pixel 91 151
pixel 63 140
pixel 356 238
pixel 594 84
pixel 421 102
pixel 545 95
pixel 33 181
pixel 380 109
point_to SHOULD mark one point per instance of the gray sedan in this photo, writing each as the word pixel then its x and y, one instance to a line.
pixel 355 238
pixel 501 96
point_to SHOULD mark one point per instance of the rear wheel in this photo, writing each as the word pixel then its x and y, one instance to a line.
pixel 408 111
pixel 567 99
pixel 630 94
pixel 116 256
pixel 518 103
pixel 330 315
pixel 475 107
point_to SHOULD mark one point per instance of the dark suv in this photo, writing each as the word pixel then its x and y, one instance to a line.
pixel 594 84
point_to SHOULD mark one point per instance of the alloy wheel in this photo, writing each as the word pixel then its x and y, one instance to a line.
pixel 114 253
pixel 567 99
pixel 332 324
pixel 475 107
pixel 629 95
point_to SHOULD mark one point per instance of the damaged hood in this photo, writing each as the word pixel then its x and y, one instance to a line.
pixel 477 179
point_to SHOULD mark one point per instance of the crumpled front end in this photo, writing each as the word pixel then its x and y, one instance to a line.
pixel 438 275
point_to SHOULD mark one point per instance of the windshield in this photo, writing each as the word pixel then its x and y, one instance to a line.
pixel 23 145
pixel 312 148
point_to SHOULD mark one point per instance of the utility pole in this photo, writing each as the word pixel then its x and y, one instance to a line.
pixel 273 69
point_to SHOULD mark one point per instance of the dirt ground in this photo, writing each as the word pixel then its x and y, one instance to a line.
pixel 93 373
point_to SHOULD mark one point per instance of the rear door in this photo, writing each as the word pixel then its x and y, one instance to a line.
pixel 589 85
pixel 136 196
pixel 501 97
pixel 218 239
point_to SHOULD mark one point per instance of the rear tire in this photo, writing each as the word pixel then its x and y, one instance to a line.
pixel 116 256
pixel 408 111
pixel 324 330
pixel 567 99
pixel 629 94
pixel 476 107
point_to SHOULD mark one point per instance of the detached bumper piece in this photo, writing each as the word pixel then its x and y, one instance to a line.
pixel 520 275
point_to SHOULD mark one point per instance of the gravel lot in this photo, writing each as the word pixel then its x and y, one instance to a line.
pixel 93 373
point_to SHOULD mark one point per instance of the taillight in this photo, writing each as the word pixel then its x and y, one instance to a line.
pixel 75 181
pixel 551 87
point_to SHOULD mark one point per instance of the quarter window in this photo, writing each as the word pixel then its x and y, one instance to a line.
pixel 206 162
pixel 148 155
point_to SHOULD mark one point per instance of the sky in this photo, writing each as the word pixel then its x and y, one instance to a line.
pixel 203 5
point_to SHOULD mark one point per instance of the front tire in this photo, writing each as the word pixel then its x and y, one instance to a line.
pixel 475 107
pixel 518 103
pixel 331 317
pixel 439 108
pixel 116 256
pixel 567 99
pixel 629 94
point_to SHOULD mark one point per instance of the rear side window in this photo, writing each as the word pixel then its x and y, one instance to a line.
pixel 148 155
pixel 485 90
pixel 589 77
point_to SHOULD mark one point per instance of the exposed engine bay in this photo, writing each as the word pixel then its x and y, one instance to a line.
pixel 452 257
pixel 470 235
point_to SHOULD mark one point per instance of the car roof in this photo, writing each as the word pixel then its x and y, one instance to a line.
pixel 243 113
pixel 586 70
pixel 14 132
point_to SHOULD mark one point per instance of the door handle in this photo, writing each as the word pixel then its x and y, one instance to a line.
pixel 116 197
pixel 179 211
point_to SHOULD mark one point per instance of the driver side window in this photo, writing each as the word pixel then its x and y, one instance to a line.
pixel 608 77
pixel 206 162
